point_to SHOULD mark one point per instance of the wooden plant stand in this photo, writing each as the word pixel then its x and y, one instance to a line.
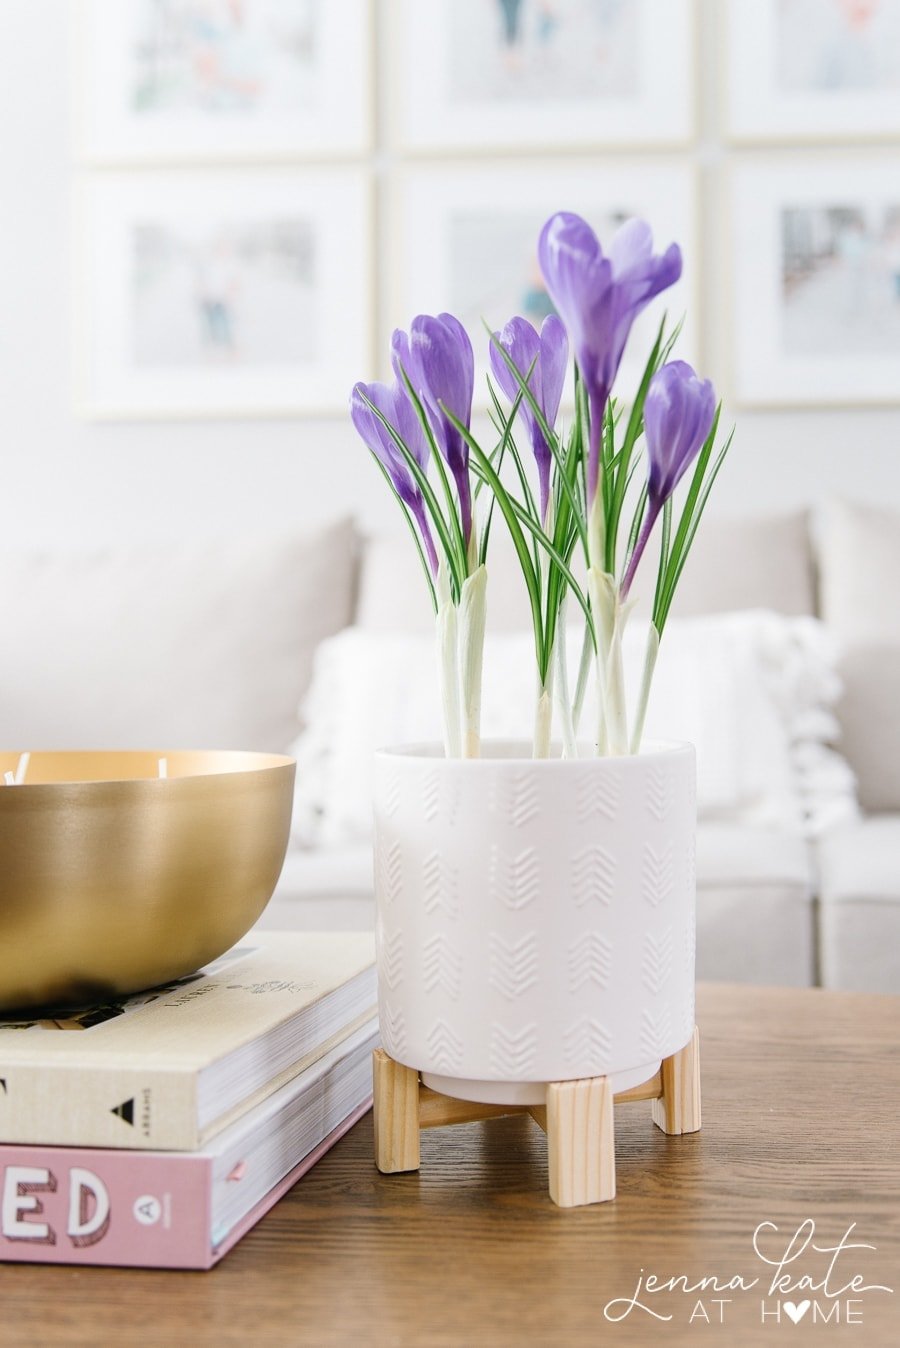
pixel 577 1118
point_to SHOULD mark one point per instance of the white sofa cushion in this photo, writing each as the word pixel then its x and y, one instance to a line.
pixel 859 918
pixel 859 558
pixel 869 714
pixel 183 645
pixel 860 563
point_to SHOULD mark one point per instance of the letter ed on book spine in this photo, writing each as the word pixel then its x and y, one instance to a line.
pixel 172 1068
pixel 164 1210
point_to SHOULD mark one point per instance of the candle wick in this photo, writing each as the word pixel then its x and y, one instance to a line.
pixel 22 768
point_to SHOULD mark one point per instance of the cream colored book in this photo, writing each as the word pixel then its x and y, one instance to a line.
pixel 170 1068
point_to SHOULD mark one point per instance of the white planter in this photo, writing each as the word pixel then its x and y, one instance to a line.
pixel 534 918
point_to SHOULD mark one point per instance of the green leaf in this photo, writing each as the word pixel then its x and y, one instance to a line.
pixel 452 506
pixel 412 529
pixel 663 552
pixel 632 432
pixel 701 506
pixel 457 568
pixel 483 466
pixel 548 547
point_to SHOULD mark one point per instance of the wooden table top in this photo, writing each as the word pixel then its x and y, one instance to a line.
pixel 801 1091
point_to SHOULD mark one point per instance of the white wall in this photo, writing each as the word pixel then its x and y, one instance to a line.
pixel 61 478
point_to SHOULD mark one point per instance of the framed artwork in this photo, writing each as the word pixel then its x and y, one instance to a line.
pixel 171 80
pixel 813 69
pixel 466 241
pixel 525 74
pixel 816 264
pixel 222 292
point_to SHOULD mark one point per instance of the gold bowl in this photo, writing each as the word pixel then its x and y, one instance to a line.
pixel 115 878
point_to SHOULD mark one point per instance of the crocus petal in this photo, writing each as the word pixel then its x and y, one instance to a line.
pixel 598 299
pixel 678 414
pixel 523 346
pixel 541 360
pixel 578 279
pixel 554 361
pixel 438 360
pixel 379 440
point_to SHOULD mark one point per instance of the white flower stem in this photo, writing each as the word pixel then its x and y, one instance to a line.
pixel 543 720
pixel 584 669
pixel 472 615
pixel 650 655
pixel 609 621
pixel 446 630
pixel 561 685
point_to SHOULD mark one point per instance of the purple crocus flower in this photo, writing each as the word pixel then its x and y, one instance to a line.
pixel 598 298
pixel 393 403
pixel 678 414
pixel 439 362
pixel 546 356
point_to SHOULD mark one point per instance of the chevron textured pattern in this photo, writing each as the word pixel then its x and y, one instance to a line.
pixel 390 960
pixel 586 1041
pixel 659 793
pixel 593 876
pixel 596 795
pixel 514 965
pixel 656 1032
pixel 389 867
pixel 441 966
pixel 514 880
pixel 656 965
pixel 589 960
pixel 439 886
pixel 446 1050
pixel 392 1024
pixel 657 874
pixel 513 1051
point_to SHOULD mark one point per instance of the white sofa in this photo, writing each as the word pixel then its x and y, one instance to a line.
pixel 213 645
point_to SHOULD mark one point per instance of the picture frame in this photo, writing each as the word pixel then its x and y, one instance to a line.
pixel 171 81
pixel 222 292
pixel 816 297
pixel 484 76
pixel 459 244
pixel 812 70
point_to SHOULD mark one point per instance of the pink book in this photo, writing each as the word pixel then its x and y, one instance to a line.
pixel 145 1209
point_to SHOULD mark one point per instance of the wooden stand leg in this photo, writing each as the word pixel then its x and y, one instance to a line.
pixel 581 1142
pixel 678 1108
pixel 396 1114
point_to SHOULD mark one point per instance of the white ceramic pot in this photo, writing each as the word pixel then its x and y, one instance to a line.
pixel 534 918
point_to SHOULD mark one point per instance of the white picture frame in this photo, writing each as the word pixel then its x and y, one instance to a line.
pixel 581 74
pixel 812 70
pixel 165 83
pixel 222 292
pixel 453 225
pixel 816 275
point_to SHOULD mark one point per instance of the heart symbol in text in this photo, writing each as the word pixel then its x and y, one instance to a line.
pixel 796 1312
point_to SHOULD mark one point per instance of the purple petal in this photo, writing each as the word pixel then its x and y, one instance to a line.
pixel 678 414
pixel 554 361
pixel 379 440
pixel 523 346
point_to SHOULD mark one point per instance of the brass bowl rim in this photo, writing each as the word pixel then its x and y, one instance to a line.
pixel 256 761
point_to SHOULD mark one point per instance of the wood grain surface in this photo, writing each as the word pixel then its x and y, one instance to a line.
pixel 801 1102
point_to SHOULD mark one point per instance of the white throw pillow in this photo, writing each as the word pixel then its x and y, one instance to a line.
pixel 860 565
pixel 746 689
pixel 188 645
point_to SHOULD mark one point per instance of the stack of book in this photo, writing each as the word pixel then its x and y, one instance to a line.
pixel 156 1130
